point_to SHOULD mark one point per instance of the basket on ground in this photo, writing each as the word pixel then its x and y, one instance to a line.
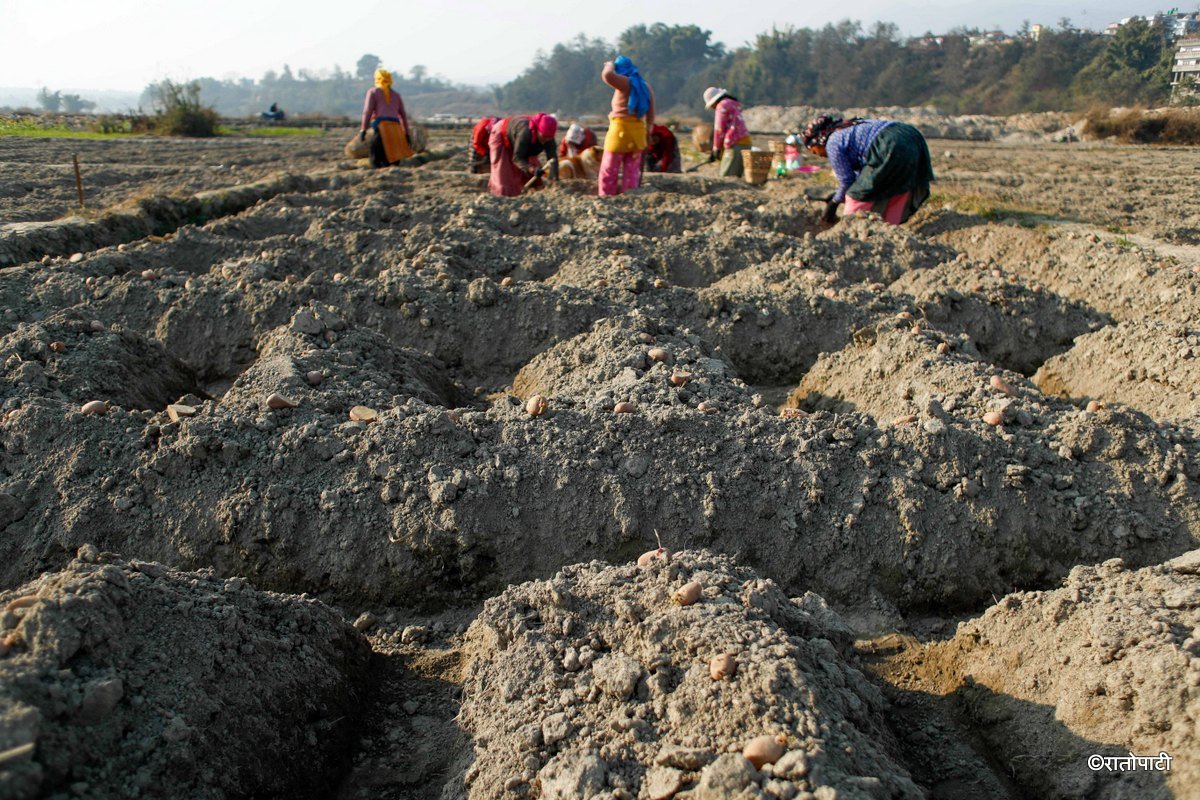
pixel 778 154
pixel 757 165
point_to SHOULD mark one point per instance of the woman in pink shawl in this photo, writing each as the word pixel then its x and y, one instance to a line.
pixel 516 144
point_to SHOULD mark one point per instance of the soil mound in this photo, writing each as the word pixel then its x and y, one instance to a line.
pixel 633 359
pixel 1106 666
pixel 1146 364
pixel 76 361
pixel 1013 323
pixel 596 684
pixel 454 491
pixel 130 679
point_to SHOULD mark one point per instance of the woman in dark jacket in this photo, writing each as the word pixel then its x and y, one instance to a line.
pixel 516 144
pixel 881 165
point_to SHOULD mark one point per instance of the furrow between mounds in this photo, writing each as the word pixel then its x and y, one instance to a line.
pixel 21 242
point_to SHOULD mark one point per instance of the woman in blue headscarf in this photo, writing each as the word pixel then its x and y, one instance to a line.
pixel 631 116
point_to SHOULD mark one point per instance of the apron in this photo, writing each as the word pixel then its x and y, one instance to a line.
pixel 625 135
pixel 395 142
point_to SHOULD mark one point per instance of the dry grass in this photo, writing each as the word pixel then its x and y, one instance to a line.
pixel 1139 126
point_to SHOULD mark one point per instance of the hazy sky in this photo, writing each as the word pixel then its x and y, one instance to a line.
pixel 126 44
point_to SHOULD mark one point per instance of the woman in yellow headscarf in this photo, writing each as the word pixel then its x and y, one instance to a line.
pixel 384 111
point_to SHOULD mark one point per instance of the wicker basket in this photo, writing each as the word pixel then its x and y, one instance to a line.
pixel 757 165
pixel 702 137
pixel 778 154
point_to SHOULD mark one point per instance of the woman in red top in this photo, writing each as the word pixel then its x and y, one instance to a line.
pixel 480 135
pixel 663 153
pixel 383 110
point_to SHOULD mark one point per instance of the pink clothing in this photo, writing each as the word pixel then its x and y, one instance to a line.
pixel 620 172
pixel 730 128
pixel 894 213
pixel 376 107
pixel 546 125
pixel 508 178
pixel 620 99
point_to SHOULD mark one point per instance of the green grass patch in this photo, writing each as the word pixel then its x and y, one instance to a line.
pixel 988 209
pixel 25 128
pixel 280 130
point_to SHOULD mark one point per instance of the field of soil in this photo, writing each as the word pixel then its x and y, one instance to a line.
pixel 319 481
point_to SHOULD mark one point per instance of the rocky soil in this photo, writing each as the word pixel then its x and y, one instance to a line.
pixel 311 397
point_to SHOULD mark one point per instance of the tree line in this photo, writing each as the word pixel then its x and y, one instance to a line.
pixel 333 93
pixel 842 65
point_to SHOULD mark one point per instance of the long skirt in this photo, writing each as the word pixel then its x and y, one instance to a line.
pixel 898 166
pixel 731 160
pixel 390 144
pixel 507 179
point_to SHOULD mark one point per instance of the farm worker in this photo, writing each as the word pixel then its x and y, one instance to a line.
pixel 881 165
pixel 383 110
pixel 578 138
pixel 515 146
pixel 631 115
pixel 730 134
pixel 663 153
pixel 793 159
pixel 480 134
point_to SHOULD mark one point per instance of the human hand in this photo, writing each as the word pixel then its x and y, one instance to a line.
pixel 362 135
pixel 830 217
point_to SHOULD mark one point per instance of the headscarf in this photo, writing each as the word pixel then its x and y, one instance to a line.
pixel 383 79
pixel 818 131
pixel 545 124
pixel 575 134
pixel 639 93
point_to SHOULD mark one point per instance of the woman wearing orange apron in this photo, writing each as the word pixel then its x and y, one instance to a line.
pixel 383 110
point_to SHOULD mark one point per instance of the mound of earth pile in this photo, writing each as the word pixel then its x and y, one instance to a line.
pixel 78 361
pixel 1145 364
pixel 633 359
pixel 773 320
pixel 598 684
pixel 1127 283
pixel 1107 666
pixel 864 248
pixel 445 501
pixel 894 370
pixel 318 360
pixel 1012 324
pixel 130 679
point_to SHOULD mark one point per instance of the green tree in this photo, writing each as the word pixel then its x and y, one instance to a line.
pixel 366 66
pixel 668 56
pixel 50 101
pixel 1133 67
pixel 74 104
pixel 180 112
pixel 565 80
